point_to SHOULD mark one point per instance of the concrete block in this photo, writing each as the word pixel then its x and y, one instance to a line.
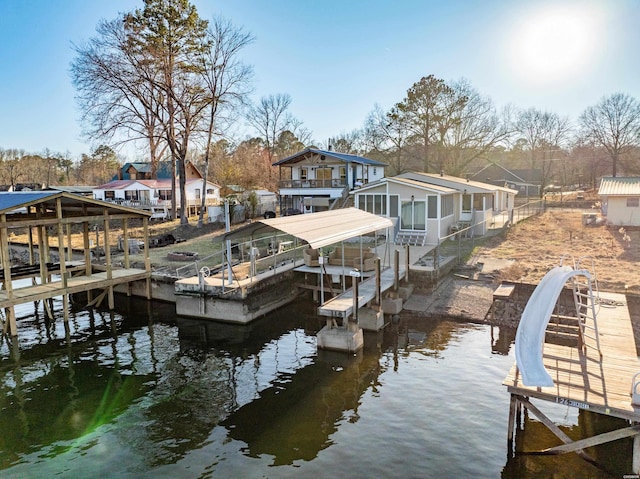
pixel 405 291
pixel 340 339
pixel 392 305
pixel 370 319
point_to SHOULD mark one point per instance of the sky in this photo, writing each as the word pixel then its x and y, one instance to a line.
pixel 338 59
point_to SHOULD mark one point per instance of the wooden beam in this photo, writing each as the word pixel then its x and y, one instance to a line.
pixel 603 438
pixel 63 266
pixel 553 427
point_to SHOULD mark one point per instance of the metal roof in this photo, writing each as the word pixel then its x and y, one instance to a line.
pixel 619 186
pixel 317 229
pixel 346 157
pixel 455 182
pixel 72 204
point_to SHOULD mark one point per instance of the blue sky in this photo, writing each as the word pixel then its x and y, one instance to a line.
pixel 337 59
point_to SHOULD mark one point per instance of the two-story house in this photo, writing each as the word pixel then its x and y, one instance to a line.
pixel 316 180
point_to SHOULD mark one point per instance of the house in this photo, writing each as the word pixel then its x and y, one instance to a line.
pixel 156 194
pixel 426 207
pixel 314 180
pixel 620 200
pixel 527 182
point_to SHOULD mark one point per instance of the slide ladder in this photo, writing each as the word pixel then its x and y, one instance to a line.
pixel 530 335
pixel 585 301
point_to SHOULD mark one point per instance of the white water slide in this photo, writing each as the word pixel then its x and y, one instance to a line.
pixel 535 317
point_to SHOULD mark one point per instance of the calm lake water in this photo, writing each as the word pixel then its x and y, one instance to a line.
pixel 142 393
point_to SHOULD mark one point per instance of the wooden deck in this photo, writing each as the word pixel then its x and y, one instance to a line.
pixel 342 305
pixel 588 381
pixel 74 285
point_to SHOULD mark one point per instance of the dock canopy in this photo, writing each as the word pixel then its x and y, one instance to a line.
pixel 317 229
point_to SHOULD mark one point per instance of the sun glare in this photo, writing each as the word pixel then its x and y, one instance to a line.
pixel 555 44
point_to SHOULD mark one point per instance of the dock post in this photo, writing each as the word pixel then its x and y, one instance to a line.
pixel 407 262
pixel 396 269
pixel 635 461
pixel 513 407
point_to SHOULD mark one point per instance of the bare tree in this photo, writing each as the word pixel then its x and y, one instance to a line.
pixel 118 104
pixel 270 118
pixel 226 82
pixel 470 130
pixel 613 124
pixel 386 135
pixel 545 135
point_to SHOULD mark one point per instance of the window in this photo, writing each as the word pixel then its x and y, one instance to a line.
pixel 164 195
pixel 432 206
pixel 412 215
pixel 446 207
pixel 323 173
pixel 466 202
pixel 197 193
pixel 131 195
pixel 109 195
pixel 304 174
pixel 477 202
pixel 343 174
pixel 633 202
pixel 376 204
pixel 393 206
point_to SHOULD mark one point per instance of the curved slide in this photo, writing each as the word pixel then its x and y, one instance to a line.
pixel 533 324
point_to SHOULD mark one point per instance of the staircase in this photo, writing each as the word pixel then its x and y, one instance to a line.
pixel 412 238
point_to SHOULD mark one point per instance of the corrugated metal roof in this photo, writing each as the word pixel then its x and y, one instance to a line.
pixel 317 229
pixel 620 186
pixel 346 157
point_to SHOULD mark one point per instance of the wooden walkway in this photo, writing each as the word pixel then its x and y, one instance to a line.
pixel 585 380
pixel 342 305
pixel 74 285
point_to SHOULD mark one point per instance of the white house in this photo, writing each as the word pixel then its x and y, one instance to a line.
pixel 316 179
pixel 426 207
pixel 620 200
pixel 137 189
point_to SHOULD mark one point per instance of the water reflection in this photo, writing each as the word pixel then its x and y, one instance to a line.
pixel 142 392
pixel 611 459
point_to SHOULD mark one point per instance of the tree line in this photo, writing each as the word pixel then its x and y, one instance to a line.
pixel 175 85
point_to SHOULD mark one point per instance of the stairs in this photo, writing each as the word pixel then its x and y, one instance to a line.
pixel 412 238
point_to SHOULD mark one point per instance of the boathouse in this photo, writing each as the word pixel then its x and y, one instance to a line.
pixel 47 263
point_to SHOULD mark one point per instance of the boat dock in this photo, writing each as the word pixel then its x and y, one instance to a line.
pixel 341 306
pixel 584 378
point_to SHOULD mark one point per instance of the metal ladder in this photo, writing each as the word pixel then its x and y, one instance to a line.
pixel 585 302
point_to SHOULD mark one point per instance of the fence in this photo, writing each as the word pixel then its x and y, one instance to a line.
pixel 248 259
pixel 462 243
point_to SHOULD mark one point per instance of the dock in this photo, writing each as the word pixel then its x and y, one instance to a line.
pixel 342 305
pixel 588 380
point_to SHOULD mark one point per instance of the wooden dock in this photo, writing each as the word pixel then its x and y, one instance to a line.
pixel 587 380
pixel 341 306
pixel 73 285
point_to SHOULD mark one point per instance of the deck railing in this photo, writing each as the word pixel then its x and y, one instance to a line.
pixel 331 183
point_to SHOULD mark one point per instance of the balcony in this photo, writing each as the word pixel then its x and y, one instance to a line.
pixel 304 184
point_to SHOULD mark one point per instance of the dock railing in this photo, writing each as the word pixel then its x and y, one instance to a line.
pixel 247 260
